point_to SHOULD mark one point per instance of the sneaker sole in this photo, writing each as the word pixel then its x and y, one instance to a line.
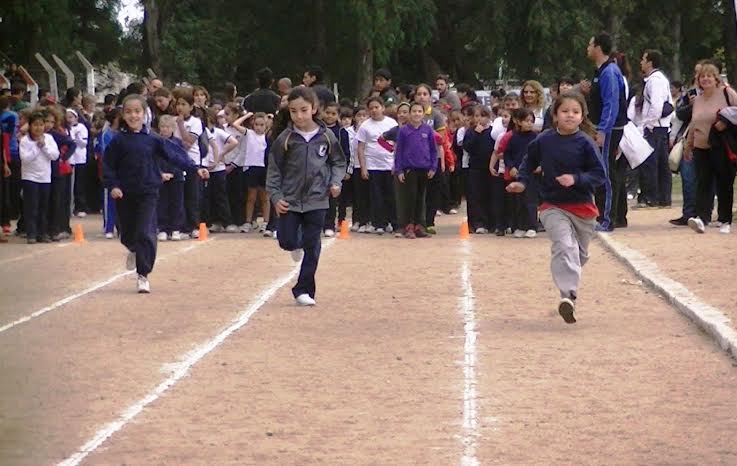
pixel 695 227
pixel 565 310
pixel 144 291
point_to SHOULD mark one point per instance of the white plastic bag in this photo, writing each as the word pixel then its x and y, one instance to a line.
pixel 634 146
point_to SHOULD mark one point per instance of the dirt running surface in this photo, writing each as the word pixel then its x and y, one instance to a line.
pixel 375 374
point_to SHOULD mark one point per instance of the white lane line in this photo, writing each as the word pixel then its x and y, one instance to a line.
pixel 709 318
pixel 34 253
pixel 89 290
pixel 470 359
pixel 181 369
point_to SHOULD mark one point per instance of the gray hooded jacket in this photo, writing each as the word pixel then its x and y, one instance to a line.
pixel 301 172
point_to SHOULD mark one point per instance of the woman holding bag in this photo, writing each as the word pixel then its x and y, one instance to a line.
pixel 711 163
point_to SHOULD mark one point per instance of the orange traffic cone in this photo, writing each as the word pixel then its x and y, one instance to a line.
pixel 345 230
pixel 203 231
pixel 78 233
pixel 465 233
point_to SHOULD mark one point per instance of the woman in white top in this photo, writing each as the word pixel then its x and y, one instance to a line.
pixel 533 98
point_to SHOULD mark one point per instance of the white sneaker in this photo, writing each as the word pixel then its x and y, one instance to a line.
pixel 518 234
pixel 370 229
pixel 379 231
pixel 245 228
pixel 566 309
pixel 176 236
pixel 109 235
pixel 453 211
pixel 262 228
pixel 195 234
pixel 716 224
pixel 143 285
pixel 530 234
pixel 329 233
pixel 297 255
pixel 130 261
pixel 362 229
pixel 161 236
pixel 305 300
pixel 231 229
pixel 356 228
pixel 389 228
pixel 439 213
pixel 630 197
pixel 276 235
pixel 725 229
pixel 267 233
pixel 508 231
pixel 696 224
pixel 481 231
pixel 216 228
pixel 81 214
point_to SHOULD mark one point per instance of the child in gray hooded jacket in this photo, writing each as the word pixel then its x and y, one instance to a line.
pixel 306 165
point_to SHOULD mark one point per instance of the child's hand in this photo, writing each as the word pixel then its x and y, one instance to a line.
pixel 212 166
pixel 479 128
pixel 167 176
pixel 335 191
pixel 452 168
pixel 513 172
pixel 515 187
pixel 364 173
pixel 41 143
pixel 430 174
pixel 116 193
pixel 203 173
pixel 538 170
pixel 720 125
pixel 6 171
pixel 493 171
pixel 565 180
pixel 347 177
pixel 229 169
pixel 281 207
pixel 401 177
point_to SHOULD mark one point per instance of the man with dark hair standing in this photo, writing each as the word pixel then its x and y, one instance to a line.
pixel 608 111
pixel 657 111
pixel 441 85
pixel 263 99
pixel 313 78
pixel 383 85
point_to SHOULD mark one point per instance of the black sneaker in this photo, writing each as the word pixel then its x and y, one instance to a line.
pixel 566 309
pixel 679 222
pixel 499 232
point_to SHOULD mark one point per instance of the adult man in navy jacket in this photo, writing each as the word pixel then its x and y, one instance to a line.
pixel 608 111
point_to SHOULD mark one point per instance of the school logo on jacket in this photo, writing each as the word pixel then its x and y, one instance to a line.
pixel 323 150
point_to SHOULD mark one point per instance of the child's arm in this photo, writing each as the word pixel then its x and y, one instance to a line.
pixel 238 124
pixel 110 169
pixel 28 149
pixel 336 161
pixel 189 139
pixel 50 149
pixel 492 163
pixel 274 177
pixel 592 173
pixel 229 147
pixel 529 164
pixel 362 159
pixel 435 155
pixel 176 155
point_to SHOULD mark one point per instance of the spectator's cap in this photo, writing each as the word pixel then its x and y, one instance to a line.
pixel 384 73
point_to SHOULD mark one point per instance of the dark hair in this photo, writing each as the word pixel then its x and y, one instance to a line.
pixel 375 98
pixel 483 111
pixel 162 92
pixel 138 97
pixel 604 40
pixel 201 89
pixel 186 94
pixel 384 73
pixel 305 93
pixel 586 125
pixel 316 72
pixel 521 114
pixel 426 86
pixel 229 90
pixel 655 57
pixel 676 84
pixel 4 102
pixel 346 112
pixel 135 87
pixel 623 63
pixel 444 77
pixel 332 105
pixel 111 98
pixel 465 88
pixel 234 108
pixel 18 87
pixel 70 95
pixel 265 77
pixel 407 89
pixel 37 115
pixel 112 115
pixel 469 110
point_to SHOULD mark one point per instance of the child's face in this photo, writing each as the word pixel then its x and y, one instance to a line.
pixel 71 119
pixel 423 96
pixel 376 110
pixel 166 130
pixel 133 115
pixel 301 113
pixel 511 104
pixel 330 116
pixel 200 99
pixel 162 103
pixel 346 121
pixel 360 117
pixel 416 114
pixel 569 116
pixel 484 120
pixel 381 83
pixel 49 123
pixel 526 124
pixel 184 109
pixel 565 87
pixel 402 114
pixel 455 122
pixel 259 126
pixel 230 116
pixel 37 128
pixel 222 120
pixel 506 116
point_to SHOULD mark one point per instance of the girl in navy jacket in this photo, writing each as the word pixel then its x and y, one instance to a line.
pixel 132 174
pixel 572 169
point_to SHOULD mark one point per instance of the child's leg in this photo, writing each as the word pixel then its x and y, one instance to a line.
pixel 176 206
pixel 30 208
pixel 235 189
pixel 250 204
pixel 420 206
pixel 344 200
pixel 162 209
pixel 44 191
pixel 264 199
pixel 570 236
pixel 390 205
pixel 192 199
pixel 311 229
pixel 56 206
pixel 497 203
pixel 140 221
pixel 331 213
pixel 221 208
pixel 378 214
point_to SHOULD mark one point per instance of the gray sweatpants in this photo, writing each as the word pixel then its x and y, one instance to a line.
pixel 571 236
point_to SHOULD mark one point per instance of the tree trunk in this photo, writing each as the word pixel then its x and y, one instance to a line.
pixel 321 42
pixel 614 25
pixel 730 41
pixel 365 76
pixel 151 22
pixel 676 60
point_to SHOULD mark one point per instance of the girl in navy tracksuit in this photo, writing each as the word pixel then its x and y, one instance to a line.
pixel 306 165
pixel 60 175
pixel 132 174
pixel 571 170
pixel 483 189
